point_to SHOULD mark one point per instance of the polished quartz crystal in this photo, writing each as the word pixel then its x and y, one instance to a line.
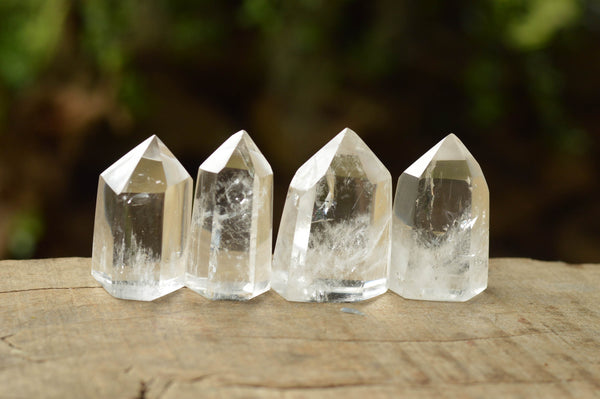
pixel 142 220
pixel 440 234
pixel 229 252
pixel 334 241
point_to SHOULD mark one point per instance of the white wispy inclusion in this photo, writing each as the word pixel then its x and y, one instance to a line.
pixel 142 220
pixel 441 226
pixel 229 252
pixel 333 243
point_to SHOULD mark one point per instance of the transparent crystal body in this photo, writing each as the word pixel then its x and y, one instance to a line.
pixel 142 220
pixel 441 226
pixel 229 253
pixel 333 243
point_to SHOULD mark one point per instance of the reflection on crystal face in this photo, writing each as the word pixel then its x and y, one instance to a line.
pixel 334 239
pixel 141 224
pixel 440 233
pixel 229 253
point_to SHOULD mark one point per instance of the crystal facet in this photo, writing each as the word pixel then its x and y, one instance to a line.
pixel 334 240
pixel 142 220
pixel 441 231
pixel 229 252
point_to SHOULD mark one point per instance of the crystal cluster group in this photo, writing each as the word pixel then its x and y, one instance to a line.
pixel 340 239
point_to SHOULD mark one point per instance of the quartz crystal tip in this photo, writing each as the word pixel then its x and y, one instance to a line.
pixel 229 251
pixel 441 226
pixel 333 243
pixel 142 219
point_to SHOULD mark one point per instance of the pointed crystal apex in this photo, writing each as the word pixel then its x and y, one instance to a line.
pixel 149 167
pixel 142 218
pixel 153 148
pixel 239 152
pixel 229 251
pixel 346 144
pixel 450 148
pixel 349 142
pixel 333 243
pixel 441 232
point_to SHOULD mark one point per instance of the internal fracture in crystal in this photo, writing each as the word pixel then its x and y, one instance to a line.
pixel 333 243
pixel 229 252
pixel 441 226
pixel 142 220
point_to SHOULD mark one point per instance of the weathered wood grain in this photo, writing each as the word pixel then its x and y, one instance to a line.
pixel 534 333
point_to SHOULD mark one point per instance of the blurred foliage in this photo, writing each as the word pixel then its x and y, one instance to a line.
pixel 106 31
pixel 511 76
pixel 29 33
pixel 26 230
pixel 532 24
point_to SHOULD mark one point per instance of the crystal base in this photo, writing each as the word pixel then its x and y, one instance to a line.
pixel 432 294
pixel 136 290
pixel 333 290
pixel 233 291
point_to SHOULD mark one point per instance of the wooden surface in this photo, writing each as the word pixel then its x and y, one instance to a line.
pixel 534 333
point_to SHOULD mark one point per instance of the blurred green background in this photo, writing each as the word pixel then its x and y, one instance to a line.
pixel 82 82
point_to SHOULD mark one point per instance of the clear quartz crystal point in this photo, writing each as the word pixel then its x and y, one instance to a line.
pixel 441 226
pixel 334 239
pixel 229 252
pixel 142 220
